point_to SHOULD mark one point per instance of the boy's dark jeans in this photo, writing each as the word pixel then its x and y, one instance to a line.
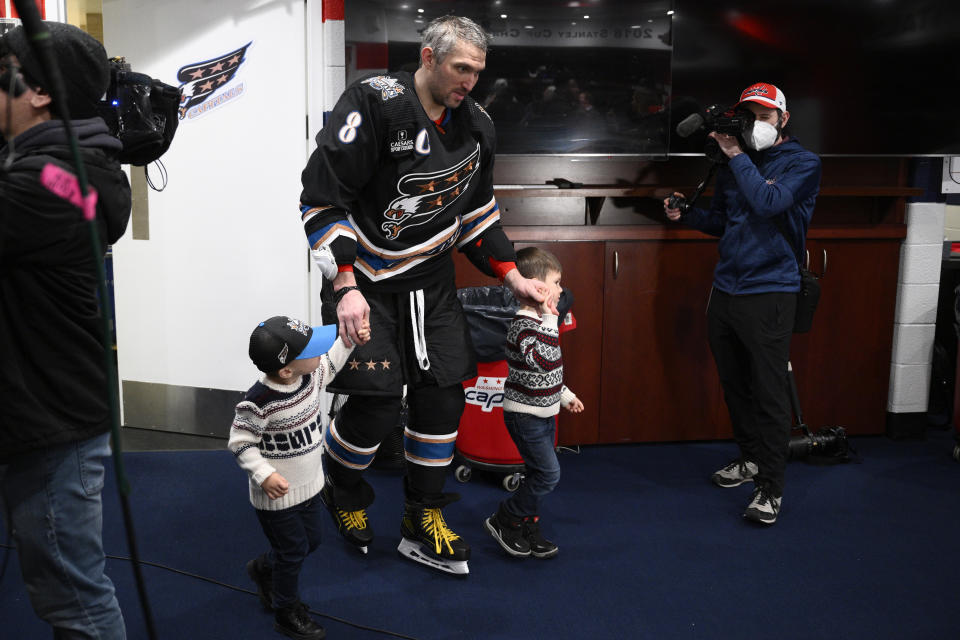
pixel 534 437
pixel 293 533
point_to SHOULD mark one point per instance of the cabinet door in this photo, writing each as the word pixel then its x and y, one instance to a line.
pixel 842 366
pixel 583 276
pixel 659 381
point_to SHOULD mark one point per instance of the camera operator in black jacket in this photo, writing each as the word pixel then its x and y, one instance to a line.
pixel 54 407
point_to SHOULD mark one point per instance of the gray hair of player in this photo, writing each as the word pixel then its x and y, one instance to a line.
pixel 443 34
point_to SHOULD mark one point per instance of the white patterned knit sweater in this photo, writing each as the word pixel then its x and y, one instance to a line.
pixel 278 428
pixel 535 379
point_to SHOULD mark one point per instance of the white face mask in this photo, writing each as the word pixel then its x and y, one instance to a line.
pixel 762 136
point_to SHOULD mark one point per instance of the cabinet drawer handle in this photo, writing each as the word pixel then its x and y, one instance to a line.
pixel 823 271
pixel 616 264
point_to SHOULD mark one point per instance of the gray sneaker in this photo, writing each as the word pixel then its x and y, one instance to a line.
pixel 763 508
pixel 735 473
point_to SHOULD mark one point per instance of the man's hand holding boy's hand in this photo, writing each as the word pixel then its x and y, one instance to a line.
pixel 275 486
pixel 364 332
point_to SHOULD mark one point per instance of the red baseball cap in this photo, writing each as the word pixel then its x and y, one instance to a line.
pixel 766 94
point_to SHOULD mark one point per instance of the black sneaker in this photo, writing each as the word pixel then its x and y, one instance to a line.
pixel 735 473
pixel 352 525
pixel 540 547
pixel 295 622
pixel 262 576
pixel 507 529
pixel 763 507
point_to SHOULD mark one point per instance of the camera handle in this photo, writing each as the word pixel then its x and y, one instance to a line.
pixel 679 202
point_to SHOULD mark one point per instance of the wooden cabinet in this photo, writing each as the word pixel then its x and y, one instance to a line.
pixel 842 366
pixel 658 380
pixel 639 358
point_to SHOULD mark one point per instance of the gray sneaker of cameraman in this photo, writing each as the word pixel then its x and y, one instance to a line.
pixel 735 473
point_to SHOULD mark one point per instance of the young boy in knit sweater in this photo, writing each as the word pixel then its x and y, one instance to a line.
pixel 533 395
pixel 276 438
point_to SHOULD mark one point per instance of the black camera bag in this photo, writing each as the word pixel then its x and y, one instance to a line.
pixel 807 299
pixel 809 294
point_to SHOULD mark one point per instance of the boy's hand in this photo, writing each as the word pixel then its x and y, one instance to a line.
pixel 550 301
pixel 364 332
pixel 275 486
pixel 575 406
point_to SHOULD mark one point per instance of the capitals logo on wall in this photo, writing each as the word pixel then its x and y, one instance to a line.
pixel 204 85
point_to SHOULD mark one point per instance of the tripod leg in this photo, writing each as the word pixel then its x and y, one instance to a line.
pixel 795 400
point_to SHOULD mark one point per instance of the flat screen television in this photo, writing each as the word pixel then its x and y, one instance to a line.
pixel 561 77
pixel 861 77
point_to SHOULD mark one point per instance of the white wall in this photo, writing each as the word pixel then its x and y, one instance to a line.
pixel 226 248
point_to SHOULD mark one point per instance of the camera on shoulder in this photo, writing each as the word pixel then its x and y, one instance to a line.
pixel 141 111
pixel 727 120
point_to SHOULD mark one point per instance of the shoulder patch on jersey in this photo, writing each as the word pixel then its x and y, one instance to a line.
pixel 483 111
pixel 387 86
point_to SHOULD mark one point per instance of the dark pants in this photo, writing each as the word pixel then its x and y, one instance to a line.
pixel 293 534
pixel 534 437
pixel 375 377
pixel 365 421
pixel 750 340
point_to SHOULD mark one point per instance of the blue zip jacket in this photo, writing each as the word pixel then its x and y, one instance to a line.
pixel 748 198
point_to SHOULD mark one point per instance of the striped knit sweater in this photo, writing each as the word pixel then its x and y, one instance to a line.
pixel 535 379
pixel 278 428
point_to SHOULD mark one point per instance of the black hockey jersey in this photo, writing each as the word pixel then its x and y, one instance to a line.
pixel 390 192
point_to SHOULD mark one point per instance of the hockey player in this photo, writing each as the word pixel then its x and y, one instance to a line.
pixel 402 175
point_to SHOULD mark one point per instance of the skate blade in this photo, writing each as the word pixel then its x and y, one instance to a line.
pixel 411 549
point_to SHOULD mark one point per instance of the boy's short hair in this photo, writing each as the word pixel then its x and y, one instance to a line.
pixel 534 262
pixel 279 340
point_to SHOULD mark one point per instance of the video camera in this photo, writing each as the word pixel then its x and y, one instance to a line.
pixel 731 121
pixel 728 120
pixel 141 112
pixel 829 444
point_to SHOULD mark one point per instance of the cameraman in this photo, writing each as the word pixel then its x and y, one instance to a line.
pixel 751 308
pixel 54 410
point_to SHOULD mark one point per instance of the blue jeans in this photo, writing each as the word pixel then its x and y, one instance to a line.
pixel 52 499
pixel 534 437
pixel 293 534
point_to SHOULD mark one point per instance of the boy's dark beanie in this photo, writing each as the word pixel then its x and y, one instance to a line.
pixel 82 60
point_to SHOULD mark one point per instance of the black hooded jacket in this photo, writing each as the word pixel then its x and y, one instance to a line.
pixel 53 386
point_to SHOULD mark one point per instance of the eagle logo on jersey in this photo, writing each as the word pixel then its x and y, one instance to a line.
pixel 424 195
pixel 387 86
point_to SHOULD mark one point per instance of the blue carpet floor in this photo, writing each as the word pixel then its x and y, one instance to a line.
pixel 648 549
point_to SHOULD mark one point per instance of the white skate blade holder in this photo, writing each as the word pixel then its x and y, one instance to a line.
pixel 411 549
